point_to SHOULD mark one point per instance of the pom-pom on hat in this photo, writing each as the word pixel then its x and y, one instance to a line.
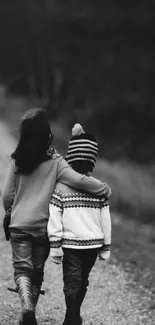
pixel 82 146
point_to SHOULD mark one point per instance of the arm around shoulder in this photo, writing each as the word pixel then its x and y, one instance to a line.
pixel 90 184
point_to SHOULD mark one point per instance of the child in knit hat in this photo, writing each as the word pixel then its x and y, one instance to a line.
pixel 79 226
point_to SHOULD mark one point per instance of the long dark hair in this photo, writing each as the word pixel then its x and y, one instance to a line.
pixel 35 139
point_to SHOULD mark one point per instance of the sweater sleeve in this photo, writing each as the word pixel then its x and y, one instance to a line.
pixel 105 222
pixel 54 227
pixel 89 184
pixel 9 188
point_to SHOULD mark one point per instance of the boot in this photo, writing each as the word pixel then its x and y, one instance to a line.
pixel 27 319
pixel 67 323
pixel 72 316
pixel 82 295
pixel 80 300
pixel 36 293
pixel 26 298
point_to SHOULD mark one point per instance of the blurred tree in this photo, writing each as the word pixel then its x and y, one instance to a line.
pixel 90 60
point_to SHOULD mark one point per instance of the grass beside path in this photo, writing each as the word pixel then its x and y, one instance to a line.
pixel 134 249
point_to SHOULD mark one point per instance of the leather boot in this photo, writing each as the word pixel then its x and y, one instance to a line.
pixel 36 293
pixel 72 316
pixel 26 299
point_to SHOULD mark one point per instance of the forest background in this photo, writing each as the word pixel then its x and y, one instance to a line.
pixel 92 62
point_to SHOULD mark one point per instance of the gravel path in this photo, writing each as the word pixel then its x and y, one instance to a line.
pixel 112 298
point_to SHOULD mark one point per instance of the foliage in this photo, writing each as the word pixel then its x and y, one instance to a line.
pixel 88 60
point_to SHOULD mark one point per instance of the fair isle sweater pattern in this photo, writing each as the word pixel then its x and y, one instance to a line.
pixel 80 243
pixel 73 201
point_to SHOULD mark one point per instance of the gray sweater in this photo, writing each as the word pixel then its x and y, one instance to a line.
pixel 29 195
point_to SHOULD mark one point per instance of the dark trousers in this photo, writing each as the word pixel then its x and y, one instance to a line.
pixel 29 256
pixel 77 264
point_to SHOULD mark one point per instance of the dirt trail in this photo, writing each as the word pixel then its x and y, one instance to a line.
pixel 112 298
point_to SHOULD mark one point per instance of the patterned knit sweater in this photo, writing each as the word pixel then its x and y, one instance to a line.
pixel 78 220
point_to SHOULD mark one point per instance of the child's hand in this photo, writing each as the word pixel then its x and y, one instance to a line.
pixel 104 255
pixel 56 255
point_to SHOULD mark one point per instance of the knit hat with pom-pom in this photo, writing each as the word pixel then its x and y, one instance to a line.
pixel 82 146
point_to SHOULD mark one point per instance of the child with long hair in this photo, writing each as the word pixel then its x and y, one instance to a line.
pixel 32 175
pixel 79 226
